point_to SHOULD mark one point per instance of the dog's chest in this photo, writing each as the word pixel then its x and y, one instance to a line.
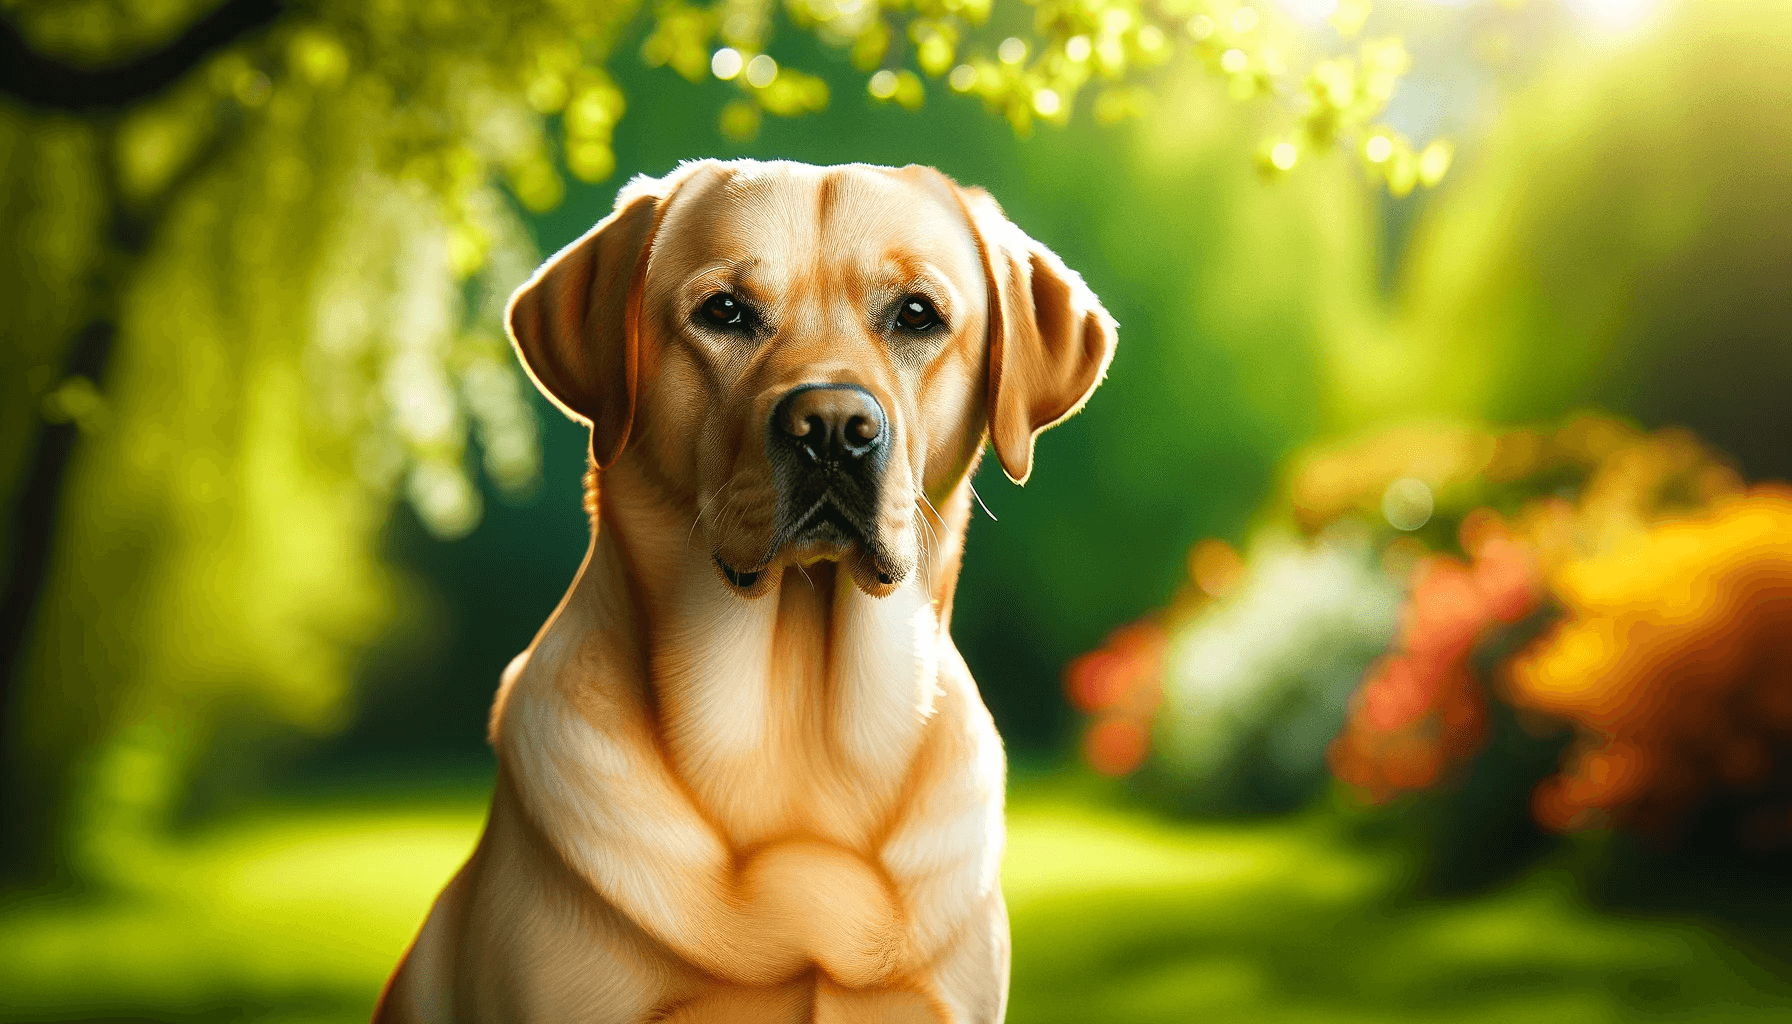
pixel 797 716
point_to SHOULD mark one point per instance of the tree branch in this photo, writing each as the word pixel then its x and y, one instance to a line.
pixel 49 84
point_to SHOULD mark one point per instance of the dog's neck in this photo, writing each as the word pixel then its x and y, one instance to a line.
pixel 813 692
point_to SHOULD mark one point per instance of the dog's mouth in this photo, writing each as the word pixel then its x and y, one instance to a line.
pixel 743 579
pixel 825 532
pixel 827 525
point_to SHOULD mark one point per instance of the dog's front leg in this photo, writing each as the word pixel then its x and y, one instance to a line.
pixel 945 854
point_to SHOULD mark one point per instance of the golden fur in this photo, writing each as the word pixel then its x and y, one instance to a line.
pixel 782 801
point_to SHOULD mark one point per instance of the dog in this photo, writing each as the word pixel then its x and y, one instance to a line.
pixel 743 773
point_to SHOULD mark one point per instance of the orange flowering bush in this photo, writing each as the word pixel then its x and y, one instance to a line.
pixel 1618 587
pixel 1673 662
pixel 1644 536
pixel 1422 709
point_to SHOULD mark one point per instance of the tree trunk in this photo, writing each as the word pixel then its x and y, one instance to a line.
pixel 27 805
pixel 31 806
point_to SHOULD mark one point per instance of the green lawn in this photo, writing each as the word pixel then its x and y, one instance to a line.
pixel 296 914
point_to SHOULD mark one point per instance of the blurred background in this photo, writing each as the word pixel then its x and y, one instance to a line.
pixel 1404 632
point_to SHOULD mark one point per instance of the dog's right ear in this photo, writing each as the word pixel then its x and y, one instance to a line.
pixel 576 322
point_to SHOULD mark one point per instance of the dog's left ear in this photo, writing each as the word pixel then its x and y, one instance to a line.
pixel 576 322
pixel 1050 340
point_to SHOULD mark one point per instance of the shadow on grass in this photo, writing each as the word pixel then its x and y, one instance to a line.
pixel 273 1007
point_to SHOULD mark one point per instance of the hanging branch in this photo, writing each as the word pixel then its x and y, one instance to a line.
pixel 46 83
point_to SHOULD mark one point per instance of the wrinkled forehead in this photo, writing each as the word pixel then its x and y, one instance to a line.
pixel 781 227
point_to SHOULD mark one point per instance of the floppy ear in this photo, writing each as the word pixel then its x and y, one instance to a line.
pixel 1050 340
pixel 575 323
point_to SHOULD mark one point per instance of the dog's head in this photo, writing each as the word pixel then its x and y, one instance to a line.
pixel 806 357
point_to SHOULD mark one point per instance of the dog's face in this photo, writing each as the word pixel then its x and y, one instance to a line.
pixel 807 359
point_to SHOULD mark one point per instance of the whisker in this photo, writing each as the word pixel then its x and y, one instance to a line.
pixel 699 519
pixel 723 514
pixel 935 511
pixel 929 541
pixel 979 497
pixel 937 544
pixel 936 514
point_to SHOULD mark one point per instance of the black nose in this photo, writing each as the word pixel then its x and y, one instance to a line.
pixel 833 424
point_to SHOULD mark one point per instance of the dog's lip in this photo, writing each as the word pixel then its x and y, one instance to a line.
pixel 813 549
pixel 742 578
pixel 841 518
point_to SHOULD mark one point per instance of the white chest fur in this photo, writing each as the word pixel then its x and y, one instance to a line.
pixel 799 713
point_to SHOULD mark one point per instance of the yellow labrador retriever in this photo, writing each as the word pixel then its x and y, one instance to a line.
pixel 744 774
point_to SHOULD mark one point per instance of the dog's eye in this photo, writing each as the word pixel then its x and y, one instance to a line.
pixel 916 314
pixel 723 310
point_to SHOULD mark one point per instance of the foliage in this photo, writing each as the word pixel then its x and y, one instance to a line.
pixel 1572 496
pixel 1663 584
pixel 1618 584
pixel 1672 665
pixel 1112 47
pixel 307 328
pixel 1246 675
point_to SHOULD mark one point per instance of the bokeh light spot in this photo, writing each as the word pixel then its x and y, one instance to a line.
pixel 1407 504
pixel 1216 567
pixel 726 63
pixel 1434 162
pixel 740 120
pixel 761 71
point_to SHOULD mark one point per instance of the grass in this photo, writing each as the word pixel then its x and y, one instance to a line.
pixel 296 913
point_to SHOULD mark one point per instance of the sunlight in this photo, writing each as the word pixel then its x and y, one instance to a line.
pixel 1615 17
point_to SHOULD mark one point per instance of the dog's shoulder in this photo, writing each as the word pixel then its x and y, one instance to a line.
pixel 576 666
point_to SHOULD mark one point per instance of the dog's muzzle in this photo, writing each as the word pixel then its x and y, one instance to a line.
pixel 828 445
